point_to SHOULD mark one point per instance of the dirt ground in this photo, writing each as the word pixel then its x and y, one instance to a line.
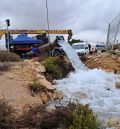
pixel 14 86
pixel 14 89
pixel 105 61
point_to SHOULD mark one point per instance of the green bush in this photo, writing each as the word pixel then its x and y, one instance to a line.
pixel 57 67
pixel 75 41
pixel 6 56
pixel 72 116
pixel 83 118
pixel 53 67
pixel 6 118
pixel 36 87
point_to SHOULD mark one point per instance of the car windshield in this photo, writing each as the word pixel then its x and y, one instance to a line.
pixel 80 46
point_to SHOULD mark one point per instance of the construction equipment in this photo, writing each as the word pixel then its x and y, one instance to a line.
pixel 23 49
pixel 54 48
pixel 69 32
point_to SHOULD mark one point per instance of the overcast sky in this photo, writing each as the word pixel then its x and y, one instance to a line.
pixel 88 19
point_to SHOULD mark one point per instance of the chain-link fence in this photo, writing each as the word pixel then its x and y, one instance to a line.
pixel 113 30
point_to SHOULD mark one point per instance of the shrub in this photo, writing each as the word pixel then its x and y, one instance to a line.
pixel 4 66
pixel 52 66
pixel 6 118
pixel 113 52
pixel 116 46
pixel 31 118
pixel 57 67
pixel 83 58
pixel 104 50
pixel 8 57
pixel 72 116
pixel 36 87
pixel 83 118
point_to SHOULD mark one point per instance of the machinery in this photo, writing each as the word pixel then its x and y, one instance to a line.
pixel 49 48
pixel 52 49
pixel 69 32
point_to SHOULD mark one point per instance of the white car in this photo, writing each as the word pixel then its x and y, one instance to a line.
pixel 81 48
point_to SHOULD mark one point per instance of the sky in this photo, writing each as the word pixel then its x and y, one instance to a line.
pixel 88 19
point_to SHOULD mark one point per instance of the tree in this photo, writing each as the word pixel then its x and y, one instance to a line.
pixel 75 41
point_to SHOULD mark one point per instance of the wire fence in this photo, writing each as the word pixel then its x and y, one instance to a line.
pixel 113 30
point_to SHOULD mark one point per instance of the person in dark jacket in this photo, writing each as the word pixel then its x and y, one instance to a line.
pixel 89 46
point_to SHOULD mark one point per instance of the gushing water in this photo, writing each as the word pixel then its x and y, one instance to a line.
pixel 73 57
pixel 97 86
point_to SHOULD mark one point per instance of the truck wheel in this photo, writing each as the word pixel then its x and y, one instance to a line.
pixel 56 53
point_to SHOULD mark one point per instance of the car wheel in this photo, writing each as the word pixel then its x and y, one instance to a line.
pixel 56 53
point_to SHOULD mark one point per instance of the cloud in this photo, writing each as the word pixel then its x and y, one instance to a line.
pixel 87 18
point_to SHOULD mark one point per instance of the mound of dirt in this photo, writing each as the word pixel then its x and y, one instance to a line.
pixel 33 70
pixel 14 86
pixel 105 61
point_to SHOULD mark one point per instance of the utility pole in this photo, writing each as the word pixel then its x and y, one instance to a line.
pixel 108 34
pixel 8 40
pixel 48 24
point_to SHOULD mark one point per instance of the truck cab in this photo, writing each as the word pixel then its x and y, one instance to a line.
pixel 81 48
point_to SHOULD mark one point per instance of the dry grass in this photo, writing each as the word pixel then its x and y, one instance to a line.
pixel 36 87
pixel 6 56
pixel 6 118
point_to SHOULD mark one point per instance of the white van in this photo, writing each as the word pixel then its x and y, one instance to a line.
pixel 81 48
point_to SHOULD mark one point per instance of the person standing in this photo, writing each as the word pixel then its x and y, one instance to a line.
pixel 89 46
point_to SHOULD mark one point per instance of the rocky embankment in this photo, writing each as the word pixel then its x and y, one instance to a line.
pixel 105 61
pixel 14 86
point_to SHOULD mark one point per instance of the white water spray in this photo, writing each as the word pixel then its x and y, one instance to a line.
pixel 73 57
pixel 99 87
